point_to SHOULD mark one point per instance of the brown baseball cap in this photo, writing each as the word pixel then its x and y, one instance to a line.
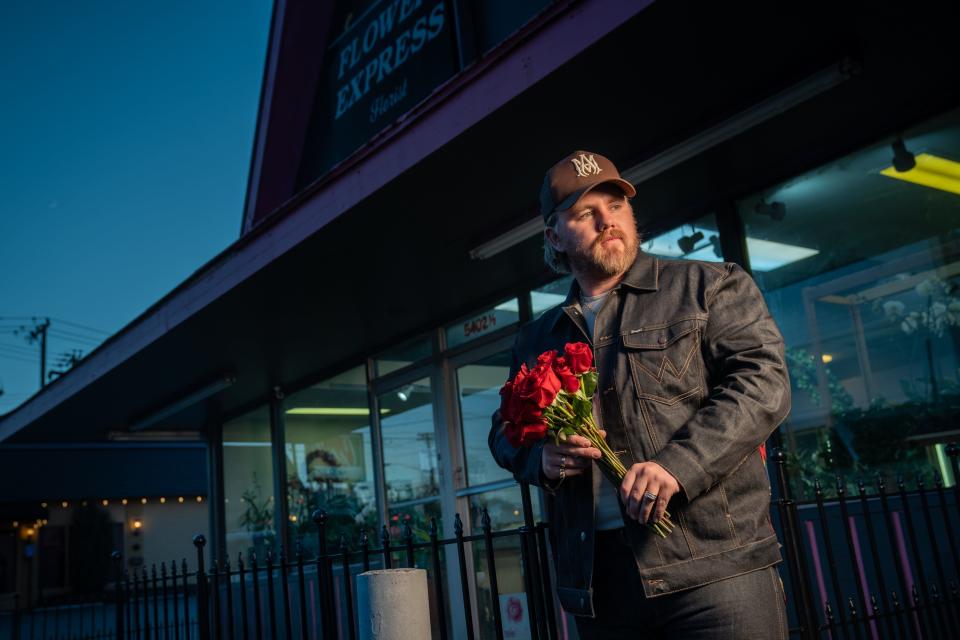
pixel 571 178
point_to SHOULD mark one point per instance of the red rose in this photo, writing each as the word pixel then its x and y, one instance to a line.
pixel 525 434
pixel 570 382
pixel 531 433
pixel 511 404
pixel 540 387
pixel 547 357
pixel 579 357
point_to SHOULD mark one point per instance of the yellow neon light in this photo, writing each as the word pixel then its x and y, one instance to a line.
pixel 331 411
pixel 931 171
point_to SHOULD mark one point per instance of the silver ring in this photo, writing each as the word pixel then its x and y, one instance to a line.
pixel 563 462
pixel 563 473
pixel 649 496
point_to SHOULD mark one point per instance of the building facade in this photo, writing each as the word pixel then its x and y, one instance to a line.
pixel 347 351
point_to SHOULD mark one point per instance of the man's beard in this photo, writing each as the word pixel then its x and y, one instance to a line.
pixel 610 262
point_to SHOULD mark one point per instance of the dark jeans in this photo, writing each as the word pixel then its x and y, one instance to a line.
pixel 746 606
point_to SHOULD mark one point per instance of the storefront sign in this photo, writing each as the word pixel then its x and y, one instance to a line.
pixel 387 61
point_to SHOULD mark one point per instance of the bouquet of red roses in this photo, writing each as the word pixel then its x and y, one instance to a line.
pixel 555 398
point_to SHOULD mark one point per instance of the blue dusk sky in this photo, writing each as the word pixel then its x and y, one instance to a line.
pixel 125 137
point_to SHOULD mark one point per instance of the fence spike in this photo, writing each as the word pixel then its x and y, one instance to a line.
pixel 385 540
pixel 464 575
pixel 408 540
pixel 347 586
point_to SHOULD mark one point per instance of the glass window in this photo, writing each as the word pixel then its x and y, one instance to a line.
pixel 329 458
pixel 418 516
pixel 248 484
pixel 698 240
pixel 409 442
pixel 860 266
pixel 550 295
pixel 506 512
pixel 404 355
pixel 479 390
pixel 482 323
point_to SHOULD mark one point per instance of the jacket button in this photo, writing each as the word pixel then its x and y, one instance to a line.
pixel 662 339
pixel 583 536
pixel 583 603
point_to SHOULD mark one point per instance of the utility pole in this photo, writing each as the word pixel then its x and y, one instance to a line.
pixel 39 334
pixel 67 361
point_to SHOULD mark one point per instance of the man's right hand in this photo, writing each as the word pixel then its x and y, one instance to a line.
pixel 571 456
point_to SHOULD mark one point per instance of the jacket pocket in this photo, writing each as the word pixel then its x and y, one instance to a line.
pixel 663 360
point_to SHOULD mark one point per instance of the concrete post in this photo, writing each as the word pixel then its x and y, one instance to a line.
pixel 392 604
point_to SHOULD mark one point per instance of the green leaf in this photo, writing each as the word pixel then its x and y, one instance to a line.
pixel 589 383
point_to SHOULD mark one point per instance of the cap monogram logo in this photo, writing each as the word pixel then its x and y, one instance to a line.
pixel 586 165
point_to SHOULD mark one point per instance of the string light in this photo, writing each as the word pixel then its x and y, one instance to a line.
pixel 137 523
pixel 15 524
pixel 124 501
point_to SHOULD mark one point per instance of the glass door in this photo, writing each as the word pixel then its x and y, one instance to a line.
pixel 410 460
pixel 482 484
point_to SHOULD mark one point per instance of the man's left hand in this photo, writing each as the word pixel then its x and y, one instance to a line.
pixel 643 480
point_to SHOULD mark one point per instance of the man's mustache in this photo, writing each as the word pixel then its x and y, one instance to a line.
pixel 610 233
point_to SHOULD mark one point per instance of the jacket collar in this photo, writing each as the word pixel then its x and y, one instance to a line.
pixel 643 275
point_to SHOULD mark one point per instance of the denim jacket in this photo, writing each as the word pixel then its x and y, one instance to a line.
pixel 692 376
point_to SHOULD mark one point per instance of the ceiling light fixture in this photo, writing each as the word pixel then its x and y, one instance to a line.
pixel 405 393
pixel 903 160
pixel 688 243
pixel 222 382
pixel 513 237
pixel 331 411
pixel 715 243
pixel 776 210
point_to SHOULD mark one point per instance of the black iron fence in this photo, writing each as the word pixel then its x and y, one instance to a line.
pixel 880 562
pixel 290 596
pixel 872 560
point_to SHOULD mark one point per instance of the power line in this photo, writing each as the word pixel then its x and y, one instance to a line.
pixel 74 336
pixel 18 349
pixel 81 326
pixel 76 325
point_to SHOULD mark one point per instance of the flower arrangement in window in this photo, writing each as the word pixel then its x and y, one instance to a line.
pixel 941 309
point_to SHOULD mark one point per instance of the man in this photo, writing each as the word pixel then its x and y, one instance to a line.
pixel 692 380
